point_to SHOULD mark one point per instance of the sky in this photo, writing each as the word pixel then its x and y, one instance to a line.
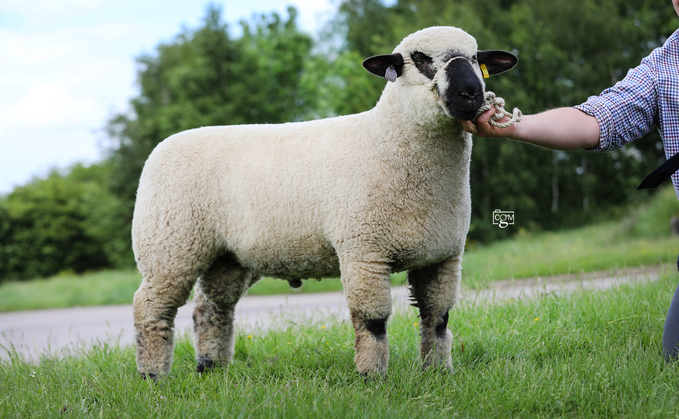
pixel 67 66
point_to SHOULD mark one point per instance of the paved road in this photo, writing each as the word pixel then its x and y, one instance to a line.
pixel 59 330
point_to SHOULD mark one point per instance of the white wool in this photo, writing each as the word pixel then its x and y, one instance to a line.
pixel 361 195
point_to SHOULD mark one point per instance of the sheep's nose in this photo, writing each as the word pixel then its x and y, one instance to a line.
pixel 471 97
pixel 470 94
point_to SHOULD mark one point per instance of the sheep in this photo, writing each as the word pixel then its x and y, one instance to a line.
pixel 357 196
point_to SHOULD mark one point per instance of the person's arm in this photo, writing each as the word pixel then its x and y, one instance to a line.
pixel 559 129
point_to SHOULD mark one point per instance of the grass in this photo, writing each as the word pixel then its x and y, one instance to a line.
pixel 595 354
pixel 642 238
pixel 593 248
pixel 70 290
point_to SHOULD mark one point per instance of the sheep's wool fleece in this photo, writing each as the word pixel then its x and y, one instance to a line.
pixel 390 185
pixel 459 41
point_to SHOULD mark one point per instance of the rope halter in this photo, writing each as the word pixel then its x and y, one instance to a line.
pixel 490 100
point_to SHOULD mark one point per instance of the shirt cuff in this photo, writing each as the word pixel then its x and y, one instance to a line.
pixel 593 108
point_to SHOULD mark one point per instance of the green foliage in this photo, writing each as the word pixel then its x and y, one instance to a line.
pixel 62 222
pixel 591 354
pixel 106 287
pixel 342 86
pixel 652 221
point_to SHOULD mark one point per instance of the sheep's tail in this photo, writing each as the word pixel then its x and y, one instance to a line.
pixel 490 100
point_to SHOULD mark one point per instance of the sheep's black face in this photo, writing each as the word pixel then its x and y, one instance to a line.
pixel 463 95
pixel 459 89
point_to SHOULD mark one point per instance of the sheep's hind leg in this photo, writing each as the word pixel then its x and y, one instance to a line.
pixel 435 290
pixel 368 292
pixel 155 307
pixel 217 293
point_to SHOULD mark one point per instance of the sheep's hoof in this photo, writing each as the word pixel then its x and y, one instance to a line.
pixel 149 375
pixel 205 365
pixel 438 369
pixel 372 377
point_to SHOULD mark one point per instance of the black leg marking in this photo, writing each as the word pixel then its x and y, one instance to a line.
pixel 376 327
pixel 205 365
pixel 441 326
pixel 150 376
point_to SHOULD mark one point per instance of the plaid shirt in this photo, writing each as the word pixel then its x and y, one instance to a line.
pixel 648 97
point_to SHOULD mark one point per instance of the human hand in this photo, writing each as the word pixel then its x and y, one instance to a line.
pixel 483 128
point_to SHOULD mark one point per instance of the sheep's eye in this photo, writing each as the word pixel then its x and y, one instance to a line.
pixel 420 59
pixel 423 63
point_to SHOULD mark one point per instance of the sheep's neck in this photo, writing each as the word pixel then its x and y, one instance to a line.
pixel 406 109
pixel 432 131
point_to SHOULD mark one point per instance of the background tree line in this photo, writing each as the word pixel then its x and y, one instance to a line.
pixel 79 219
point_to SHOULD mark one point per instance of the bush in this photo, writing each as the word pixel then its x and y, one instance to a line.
pixel 63 222
pixel 652 220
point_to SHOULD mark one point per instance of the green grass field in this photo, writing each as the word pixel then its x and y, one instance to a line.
pixel 595 354
pixel 641 238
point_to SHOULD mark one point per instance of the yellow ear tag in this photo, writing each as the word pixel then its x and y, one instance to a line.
pixel 484 70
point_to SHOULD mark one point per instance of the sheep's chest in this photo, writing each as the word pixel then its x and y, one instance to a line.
pixel 416 219
pixel 428 235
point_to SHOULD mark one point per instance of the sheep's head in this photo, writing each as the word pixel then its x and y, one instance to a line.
pixel 446 61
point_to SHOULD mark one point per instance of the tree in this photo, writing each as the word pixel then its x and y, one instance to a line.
pixel 63 222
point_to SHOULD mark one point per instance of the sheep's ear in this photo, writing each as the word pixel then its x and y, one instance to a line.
pixel 388 66
pixel 497 61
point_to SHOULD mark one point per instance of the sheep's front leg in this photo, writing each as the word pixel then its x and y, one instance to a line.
pixel 435 290
pixel 368 292
pixel 217 293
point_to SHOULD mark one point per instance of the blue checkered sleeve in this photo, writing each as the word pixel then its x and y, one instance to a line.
pixel 626 111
